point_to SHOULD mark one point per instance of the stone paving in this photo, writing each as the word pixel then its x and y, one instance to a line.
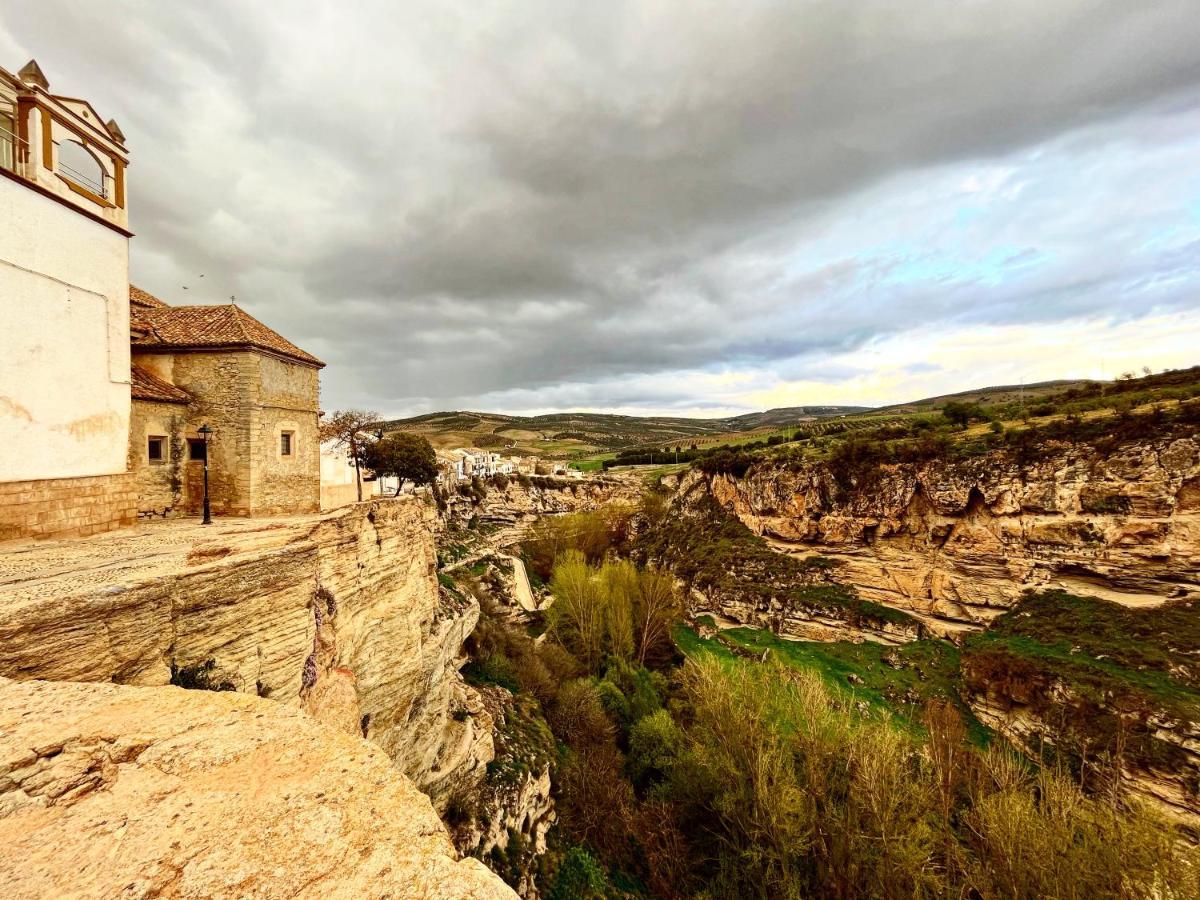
pixel 131 555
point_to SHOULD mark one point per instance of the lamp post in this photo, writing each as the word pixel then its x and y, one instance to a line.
pixel 205 431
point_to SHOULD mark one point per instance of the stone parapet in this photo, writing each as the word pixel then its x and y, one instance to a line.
pixel 66 507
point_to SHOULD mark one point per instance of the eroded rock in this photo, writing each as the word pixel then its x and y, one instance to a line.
pixel 113 791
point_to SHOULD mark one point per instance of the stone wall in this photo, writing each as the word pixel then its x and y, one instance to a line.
pixel 287 400
pixel 224 385
pixel 248 399
pixel 66 507
pixel 159 484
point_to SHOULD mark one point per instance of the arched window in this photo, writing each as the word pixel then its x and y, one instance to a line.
pixel 76 163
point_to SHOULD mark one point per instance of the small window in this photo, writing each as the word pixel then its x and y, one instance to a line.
pixel 196 450
pixel 285 443
pixel 156 449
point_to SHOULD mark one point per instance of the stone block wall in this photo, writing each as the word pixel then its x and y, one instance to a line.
pixel 248 399
pixel 159 484
pixel 225 387
pixel 66 507
pixel 287 402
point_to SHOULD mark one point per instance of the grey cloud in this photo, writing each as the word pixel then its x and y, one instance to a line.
pixel 453 200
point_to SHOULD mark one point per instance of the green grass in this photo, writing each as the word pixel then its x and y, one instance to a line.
pixel 894 680
pixel 587 465
pixel 1102 649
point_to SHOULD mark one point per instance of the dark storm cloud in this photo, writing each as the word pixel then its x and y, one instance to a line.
pixel 547 204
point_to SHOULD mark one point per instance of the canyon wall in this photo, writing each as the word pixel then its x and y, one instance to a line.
pixel 140 792
pixel 957 542
pixel 516 499
pixel 339 613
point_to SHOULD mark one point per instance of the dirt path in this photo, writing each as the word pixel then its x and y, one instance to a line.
pixel 522 588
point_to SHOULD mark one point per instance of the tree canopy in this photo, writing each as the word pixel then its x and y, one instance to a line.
pixel 403 456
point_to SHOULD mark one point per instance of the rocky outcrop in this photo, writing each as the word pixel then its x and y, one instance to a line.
pixel 515 499
pixel 957 542
pixel 138 792
pixel 339 613
pixel 513 806
pixel 1172 789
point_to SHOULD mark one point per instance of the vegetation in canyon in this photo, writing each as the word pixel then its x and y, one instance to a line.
pixel 742 764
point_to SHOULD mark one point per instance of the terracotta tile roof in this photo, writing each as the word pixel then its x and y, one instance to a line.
pixel 144 386
pixel 225 326
pixel 138 297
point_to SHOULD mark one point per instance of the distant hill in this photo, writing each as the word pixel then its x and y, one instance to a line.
pixel 566 435
pixel 997 394
pixel 570 434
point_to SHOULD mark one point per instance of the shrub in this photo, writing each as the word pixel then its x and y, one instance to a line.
pixel 803 798
pixel 494 669
pixel 201 677
pixel 578 717
pixel 579 877
pixel 655 743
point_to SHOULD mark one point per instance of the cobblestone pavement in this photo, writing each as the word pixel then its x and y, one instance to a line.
pixel 130 555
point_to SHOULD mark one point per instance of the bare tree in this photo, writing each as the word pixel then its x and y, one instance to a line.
pixel 659 606
pixel 345 428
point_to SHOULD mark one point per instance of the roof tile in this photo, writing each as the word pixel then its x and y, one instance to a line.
pixel 213 326
pixel 144 386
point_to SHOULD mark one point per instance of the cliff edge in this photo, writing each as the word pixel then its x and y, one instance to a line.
pixel 141 792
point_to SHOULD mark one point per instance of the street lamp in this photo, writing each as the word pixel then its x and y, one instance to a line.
pixel 204 432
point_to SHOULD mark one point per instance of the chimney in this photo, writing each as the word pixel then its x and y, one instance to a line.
pixel 31 73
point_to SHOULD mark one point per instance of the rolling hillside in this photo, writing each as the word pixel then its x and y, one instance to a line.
pixel 599 436
pixel 570 434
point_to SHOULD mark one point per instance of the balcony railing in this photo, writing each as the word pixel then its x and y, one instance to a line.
pixel 82 180
pixel 10 146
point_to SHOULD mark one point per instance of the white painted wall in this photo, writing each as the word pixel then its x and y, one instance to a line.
pixel 64 341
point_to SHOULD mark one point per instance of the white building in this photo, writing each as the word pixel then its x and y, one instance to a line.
pixel 338 483
pixel 64 305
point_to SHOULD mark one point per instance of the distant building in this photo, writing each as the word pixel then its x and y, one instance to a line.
pixel 338 484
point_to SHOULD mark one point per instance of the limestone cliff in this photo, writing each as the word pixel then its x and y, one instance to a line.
pixel 340 613
pixel 958 542
pixel 515 499
pixel 139 792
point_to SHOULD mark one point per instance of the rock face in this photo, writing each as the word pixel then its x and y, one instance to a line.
pixel 957 543
pixel 339 613
pixel 506 817
pixel 1172 790
pixel 136 792
pixel 525 498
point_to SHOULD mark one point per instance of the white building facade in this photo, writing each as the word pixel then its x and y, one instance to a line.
pixel 64 302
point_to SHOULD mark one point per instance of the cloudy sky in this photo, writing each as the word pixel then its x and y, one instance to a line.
pixel 655 206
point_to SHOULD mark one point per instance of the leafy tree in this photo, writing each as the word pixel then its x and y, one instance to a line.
pixel 404 456
pixel 619 581
pixel 961 414
pixel 345 427
pixel 655 743
pixel 577 616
